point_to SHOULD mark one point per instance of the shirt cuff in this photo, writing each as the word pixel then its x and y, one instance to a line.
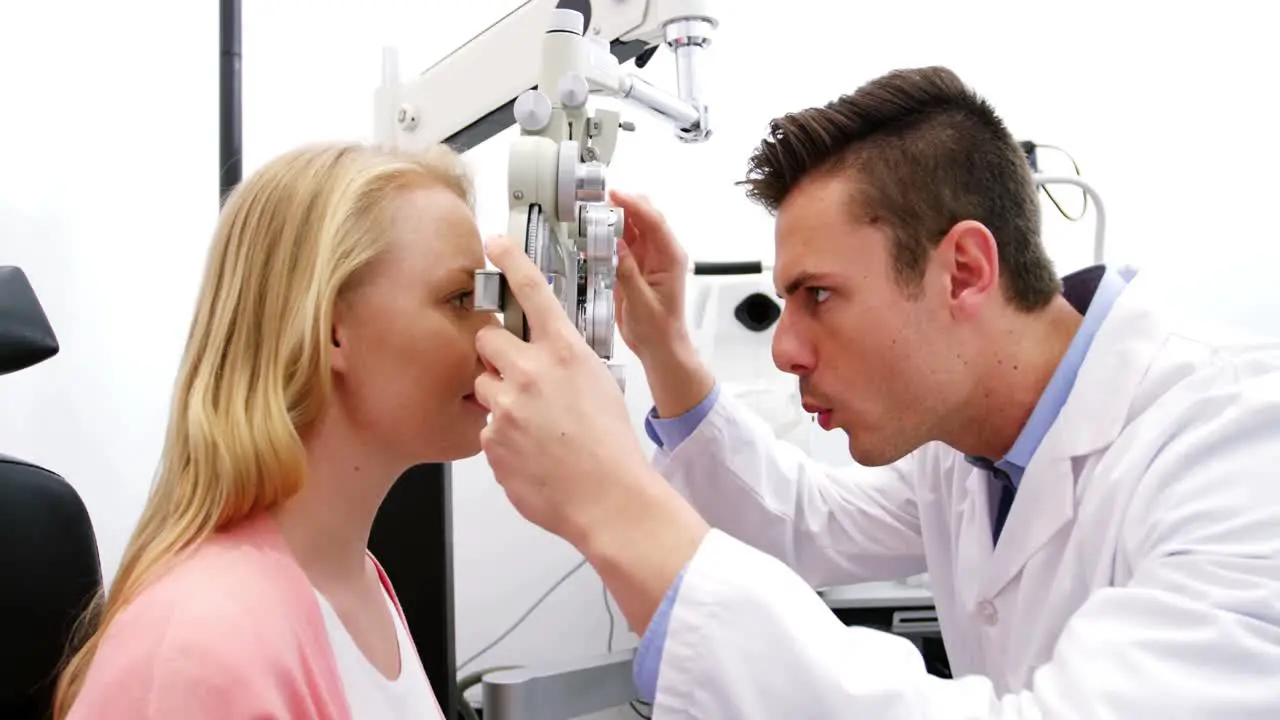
pixel 648 659
pixel 668 433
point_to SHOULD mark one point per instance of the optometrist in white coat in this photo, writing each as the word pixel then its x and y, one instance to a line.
pixel 1092 488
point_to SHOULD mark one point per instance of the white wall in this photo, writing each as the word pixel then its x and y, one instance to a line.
pixel 109 137
pixel 108 152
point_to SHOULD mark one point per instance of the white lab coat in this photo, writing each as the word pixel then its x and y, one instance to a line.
pixel 1137 576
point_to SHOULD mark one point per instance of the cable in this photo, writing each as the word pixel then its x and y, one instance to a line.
pixel 474 678
pixel 604 590
pixel 469 681
pixel 466 682
pixel 465 710
pixel 525 616
pixel 1053 199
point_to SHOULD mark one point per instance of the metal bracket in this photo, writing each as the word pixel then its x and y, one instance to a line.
pixel 559 690
pixel 1100 211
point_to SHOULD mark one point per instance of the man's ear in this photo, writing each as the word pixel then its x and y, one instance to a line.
pixel 973 265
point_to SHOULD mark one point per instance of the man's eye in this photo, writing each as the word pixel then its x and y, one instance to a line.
pixel 463 300
pixel 820 295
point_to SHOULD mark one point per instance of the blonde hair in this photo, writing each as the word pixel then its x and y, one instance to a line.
pixel 255 372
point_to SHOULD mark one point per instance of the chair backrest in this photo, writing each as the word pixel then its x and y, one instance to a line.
pixel 26 338
pixel 50 572
pixel 49 576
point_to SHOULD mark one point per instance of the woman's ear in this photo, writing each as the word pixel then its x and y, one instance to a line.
pixel 337 335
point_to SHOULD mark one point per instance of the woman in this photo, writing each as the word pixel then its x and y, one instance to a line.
pixel 332 348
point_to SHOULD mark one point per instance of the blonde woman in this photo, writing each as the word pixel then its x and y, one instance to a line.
pixel 332 348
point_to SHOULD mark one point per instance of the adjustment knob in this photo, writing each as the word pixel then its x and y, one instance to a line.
pixel 589 183
pixel 566 20
pixel 573 90
pixel 532 110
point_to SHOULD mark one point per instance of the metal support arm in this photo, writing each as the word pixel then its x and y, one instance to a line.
pixel 1100 233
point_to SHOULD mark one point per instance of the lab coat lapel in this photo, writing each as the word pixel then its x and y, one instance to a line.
pixel 1045 503
pixel 1091 419
pixel 973 552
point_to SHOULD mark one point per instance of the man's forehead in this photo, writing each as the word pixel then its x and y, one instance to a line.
pixel 825 256
pixel 798 257
pixel 819 230
pixel 804 253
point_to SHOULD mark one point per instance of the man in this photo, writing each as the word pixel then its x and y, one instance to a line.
pixel 1092 490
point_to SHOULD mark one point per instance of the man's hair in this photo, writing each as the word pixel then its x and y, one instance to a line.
pixel 923 152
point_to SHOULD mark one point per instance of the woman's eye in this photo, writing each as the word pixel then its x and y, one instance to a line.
pixel 462 300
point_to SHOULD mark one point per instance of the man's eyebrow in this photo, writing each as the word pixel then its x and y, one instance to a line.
pixel 799 281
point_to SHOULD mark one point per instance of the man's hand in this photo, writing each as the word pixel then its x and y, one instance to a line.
pixel 558 417
pixel 562 447
pixel 649 302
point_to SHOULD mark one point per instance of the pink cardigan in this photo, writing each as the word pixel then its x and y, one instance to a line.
pixel 232 632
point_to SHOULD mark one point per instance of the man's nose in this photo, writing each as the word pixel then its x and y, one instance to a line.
pixel 792 352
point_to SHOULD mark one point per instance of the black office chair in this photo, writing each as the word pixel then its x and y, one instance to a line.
pixel 49 567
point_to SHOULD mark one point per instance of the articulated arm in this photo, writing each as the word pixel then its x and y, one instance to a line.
pixel 469 96
pixel 556 174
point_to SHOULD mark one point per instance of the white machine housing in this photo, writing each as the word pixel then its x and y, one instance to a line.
pixel 467 96
pixel 557 191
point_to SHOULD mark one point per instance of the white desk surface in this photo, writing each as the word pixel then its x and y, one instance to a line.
pixel 876 595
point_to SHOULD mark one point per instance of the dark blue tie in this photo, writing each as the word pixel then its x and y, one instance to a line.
pixel 1007 491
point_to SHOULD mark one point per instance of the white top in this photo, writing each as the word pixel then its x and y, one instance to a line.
pixel 371 695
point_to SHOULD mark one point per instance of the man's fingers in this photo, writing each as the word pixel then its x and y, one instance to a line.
pixel 499 349
pixel 645 228
pixel 639 212
pixel 530 287
pixel 635 201
pixel 630 279
pixel 487 388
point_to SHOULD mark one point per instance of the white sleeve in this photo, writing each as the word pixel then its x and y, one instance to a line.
pixel 1194 634
pixel 831 526
pixel 749 640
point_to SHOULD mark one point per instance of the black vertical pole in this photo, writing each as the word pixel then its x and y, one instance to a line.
pixel 231 142
pixel 412 539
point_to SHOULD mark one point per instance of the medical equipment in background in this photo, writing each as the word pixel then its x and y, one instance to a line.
pixel 556 196
pixel 1100 215
pixel 1032 151
pixel 732 313
pixel 557 188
